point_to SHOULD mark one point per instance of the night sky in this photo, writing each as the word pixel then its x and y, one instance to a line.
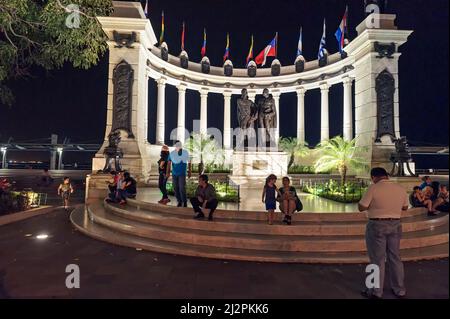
pixel 72 103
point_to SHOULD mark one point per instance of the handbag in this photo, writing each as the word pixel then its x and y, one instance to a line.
pixel 298 204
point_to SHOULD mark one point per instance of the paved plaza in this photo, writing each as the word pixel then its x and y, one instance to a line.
pixel 35 268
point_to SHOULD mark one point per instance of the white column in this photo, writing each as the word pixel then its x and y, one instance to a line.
pixel 203 111
pixel 276 97
pixel 181 113
pixel 160 111
pixel 324 113
pixel 227 120
pixel 301 115
pixel 252 96
pixel 348 117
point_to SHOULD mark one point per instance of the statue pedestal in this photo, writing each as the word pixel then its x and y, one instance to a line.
pixel 97 187
pixel 250 168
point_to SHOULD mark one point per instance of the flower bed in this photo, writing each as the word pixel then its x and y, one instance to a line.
pixel 13 201
pixel 302 169
pixel 225 193
pixel 351 192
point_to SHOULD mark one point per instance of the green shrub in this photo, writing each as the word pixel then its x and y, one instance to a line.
pixel 303 169
pixel 350 192
pixel 225 193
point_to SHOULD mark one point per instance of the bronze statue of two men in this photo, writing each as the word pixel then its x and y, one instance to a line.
pixel 263 113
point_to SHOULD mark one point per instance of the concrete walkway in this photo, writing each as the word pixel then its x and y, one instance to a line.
pixel 35 268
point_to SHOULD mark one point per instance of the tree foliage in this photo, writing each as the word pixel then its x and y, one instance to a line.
pixel 294 148
pixel 48 33
pixel 204 151
pixel 342 155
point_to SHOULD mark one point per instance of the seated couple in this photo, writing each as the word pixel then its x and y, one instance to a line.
pixel 123 186
pixel 434 197
pixel 286 196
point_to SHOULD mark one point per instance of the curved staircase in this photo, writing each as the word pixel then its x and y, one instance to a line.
pixel 238 235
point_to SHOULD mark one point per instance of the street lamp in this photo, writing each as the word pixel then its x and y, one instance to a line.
pixel 3 150
pixel 60 151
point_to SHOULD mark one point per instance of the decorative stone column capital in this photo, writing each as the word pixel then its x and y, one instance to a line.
pixel 324 87
pixel 300 91
pixel 182 88
pixel 276 94
pixel 161 81
pixel 204 92
pixel 227 94
pixel 347 80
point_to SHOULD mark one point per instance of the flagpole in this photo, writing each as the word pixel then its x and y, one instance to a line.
pixel 276 45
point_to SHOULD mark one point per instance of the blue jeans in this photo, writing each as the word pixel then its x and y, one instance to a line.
pixel 179 187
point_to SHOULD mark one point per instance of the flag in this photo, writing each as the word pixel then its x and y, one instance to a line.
pixel 161 37
pixel 300 43
pixel 182 37
pixel 342 31
pixel 250 53
pixel 146 8
pixel 204 43
pixel 227 49
pixel 323 41
pixel 270 50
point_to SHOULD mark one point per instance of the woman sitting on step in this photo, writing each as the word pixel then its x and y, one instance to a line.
pixel 289 201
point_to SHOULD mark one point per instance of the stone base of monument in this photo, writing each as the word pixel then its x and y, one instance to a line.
pixel 96 187
pixel 407 182
pixel 332 238
pixel 250 168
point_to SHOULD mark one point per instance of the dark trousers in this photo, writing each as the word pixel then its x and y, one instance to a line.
pixel 122 194
pixel 444 208
pixel 211 204
pixel 162 184
pixel 383 245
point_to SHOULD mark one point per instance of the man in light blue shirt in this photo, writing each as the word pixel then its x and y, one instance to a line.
pixel 178 164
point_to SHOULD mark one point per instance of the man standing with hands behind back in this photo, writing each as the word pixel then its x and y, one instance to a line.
pixel 384 202
pixel 178 164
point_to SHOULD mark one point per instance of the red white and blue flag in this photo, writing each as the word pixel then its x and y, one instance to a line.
pixel 270 50
pixel 203 52
pixel 341 32
pixel 226 56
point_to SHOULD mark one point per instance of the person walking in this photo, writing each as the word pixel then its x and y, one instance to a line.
pixel 384 202
pixel 65 189
pixel 162 168
pixel 205 198
pixel 178 164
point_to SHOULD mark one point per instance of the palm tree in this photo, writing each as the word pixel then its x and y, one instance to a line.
pixel 294 148
pixel 204 151
pixel 340 154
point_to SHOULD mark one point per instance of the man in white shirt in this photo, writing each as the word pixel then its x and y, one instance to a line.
pixel 384 203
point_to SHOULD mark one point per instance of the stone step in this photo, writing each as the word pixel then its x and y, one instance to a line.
pixel 310 228
pixel 262 216
pixel 304 243
pixel 82 222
